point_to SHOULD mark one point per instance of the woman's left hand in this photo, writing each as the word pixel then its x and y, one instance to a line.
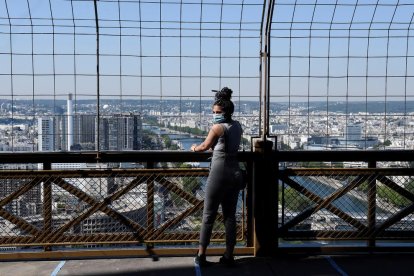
pixel 193 147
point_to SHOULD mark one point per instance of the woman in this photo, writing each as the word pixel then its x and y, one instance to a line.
pixel 224 138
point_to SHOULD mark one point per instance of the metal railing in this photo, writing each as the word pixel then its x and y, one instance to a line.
pixel 80 207
pixel 291 196
pixel 114 209
pixel 347 203
pixel 333 200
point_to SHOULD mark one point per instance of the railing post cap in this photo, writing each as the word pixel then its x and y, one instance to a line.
pixel 260 145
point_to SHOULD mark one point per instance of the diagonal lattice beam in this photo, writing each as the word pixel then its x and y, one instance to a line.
pixel 391 184
pixel 19 222
pixel 340 192
pixel 185 195
pixel 102 206
pixel 21 190
pixel 177 219
pixel 318 200
pixel 97 206
pixel 394 219
pixel 178 191
pixel 402 213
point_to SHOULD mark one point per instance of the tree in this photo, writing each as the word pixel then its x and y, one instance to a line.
pixel 392 196
pixel 294 200
pixel 167 141
pixel 387 143
pixel 190 184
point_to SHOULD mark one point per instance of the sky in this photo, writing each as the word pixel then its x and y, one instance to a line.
pixel 319 50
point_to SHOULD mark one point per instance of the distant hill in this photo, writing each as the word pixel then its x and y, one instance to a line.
pixel 195 105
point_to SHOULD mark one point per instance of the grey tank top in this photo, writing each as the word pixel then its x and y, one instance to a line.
pixel 233 130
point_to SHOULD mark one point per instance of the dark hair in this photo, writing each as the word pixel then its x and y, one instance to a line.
pixel 223 99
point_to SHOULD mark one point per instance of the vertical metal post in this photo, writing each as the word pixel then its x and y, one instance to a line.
pixel 265 31
pixel 264 201
pixel 264 76
pixel 150 202
pixel 150 164
pixel 264 180
pixel 47 205
pixel 98 101
pixel 249 206
pixel 372 205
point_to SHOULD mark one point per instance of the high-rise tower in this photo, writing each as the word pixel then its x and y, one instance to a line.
pixel 46 134
pixel 70 122
pixel 120 132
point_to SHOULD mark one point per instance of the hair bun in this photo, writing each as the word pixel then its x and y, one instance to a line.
pixel 223 94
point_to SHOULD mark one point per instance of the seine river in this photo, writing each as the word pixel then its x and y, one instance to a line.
pixel 185 139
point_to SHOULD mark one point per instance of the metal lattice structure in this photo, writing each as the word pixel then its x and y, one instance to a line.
pixel 63 208
pixel 143 58
pixel 341 74
pixel 346 204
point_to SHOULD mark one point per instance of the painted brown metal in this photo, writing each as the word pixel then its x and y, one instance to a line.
pixel 81 254
pixel 50 235
pixel 370 232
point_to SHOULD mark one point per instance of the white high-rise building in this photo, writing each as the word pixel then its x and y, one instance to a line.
pixel 46 134
pixel 70 122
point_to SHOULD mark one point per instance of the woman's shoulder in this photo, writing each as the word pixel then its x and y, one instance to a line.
pixel 218 129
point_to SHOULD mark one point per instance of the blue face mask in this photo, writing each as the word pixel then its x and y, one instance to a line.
pixel 218 118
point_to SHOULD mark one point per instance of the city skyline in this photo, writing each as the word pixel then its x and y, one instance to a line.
pixel 297 126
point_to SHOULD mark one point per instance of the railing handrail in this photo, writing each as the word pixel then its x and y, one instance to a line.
pixel 344 155
pixel 112 156
pixel 187 156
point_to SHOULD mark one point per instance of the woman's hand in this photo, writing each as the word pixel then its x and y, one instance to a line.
pixel 193 147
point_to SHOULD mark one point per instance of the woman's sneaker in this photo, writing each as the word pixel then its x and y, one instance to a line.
pixel 201 260
pixel 227 260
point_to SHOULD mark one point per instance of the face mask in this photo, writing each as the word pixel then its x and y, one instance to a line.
pixel 218 118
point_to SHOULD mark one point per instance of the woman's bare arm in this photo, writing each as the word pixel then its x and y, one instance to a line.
pixel 215 132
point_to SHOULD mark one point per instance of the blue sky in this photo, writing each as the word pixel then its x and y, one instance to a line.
pixel 320 50
pixel 337 50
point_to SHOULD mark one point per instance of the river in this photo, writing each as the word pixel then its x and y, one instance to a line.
pixel 185 140
pixel 349 202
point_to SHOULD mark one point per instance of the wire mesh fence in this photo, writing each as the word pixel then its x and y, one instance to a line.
pixel 101 207
pixel 66 65
pixel 338 204
pixel 341 74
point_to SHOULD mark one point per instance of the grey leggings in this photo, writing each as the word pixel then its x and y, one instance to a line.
pixel 220 189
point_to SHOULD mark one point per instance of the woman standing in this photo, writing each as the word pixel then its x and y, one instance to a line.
pixel 221 189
